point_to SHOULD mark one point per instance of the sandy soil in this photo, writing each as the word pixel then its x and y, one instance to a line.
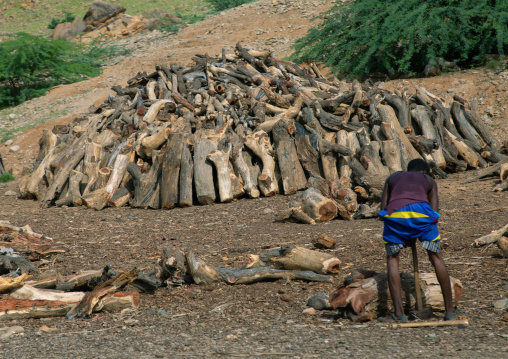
pixel 260 320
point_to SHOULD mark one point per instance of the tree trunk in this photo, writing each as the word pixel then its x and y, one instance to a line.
pixel 221 161
pixel 203 171
pixel 171 162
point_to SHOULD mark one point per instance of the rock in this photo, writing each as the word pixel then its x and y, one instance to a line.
pixel 12 116
pixel 14 148
pixel 500 304
pixel 268 211
pixel 319 302
pixel 324 241
pixel 99 12
pixel 310 311
pixel 62 31
pixel 10 193
pixel 8 143
pixel 47 329
pixel 7 332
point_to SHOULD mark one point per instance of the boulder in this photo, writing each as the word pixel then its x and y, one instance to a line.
pixel 62 31
pixel 100 12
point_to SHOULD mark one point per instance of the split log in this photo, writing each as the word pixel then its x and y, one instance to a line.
pixel 171 162
pixel 490 171
pixel 62 176
pixel 492 237
pixel 465 151
pixel 81 281
pixel 10 284
pixel 120 198
pixel 387 114
pixel 465 128
pixel 46 144
pixel 308 156
pixel 203 171
pixel 259 143
pixel 73 195
pixel 294 214
pixel 31 188
pixel 186 177
pixel 221 161
pixel 297 258
pixel 148 144
pixel 315 205
pixel 204 274
pixel 145 184
pixel 86 305
pixel 391 155
pixel 11 309
pixel 243 169
pixel 27 292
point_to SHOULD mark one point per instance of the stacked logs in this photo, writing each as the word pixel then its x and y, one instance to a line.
pixel 252 125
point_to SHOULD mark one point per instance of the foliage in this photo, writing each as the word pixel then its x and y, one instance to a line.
pixel 31 65
pixel 174 26
pixel 68 17
pixel 220 5
pixel 399 37
pixel 7 177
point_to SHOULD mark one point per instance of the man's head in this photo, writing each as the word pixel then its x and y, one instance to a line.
pixel 418 165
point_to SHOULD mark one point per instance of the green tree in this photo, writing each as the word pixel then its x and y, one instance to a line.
pixel 220 5
pixel 401 36
pixel 31 65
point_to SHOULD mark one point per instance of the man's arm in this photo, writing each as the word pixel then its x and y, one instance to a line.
pixel 386 194
pixel 432 195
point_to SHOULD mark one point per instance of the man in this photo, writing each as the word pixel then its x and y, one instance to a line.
pixel 409 208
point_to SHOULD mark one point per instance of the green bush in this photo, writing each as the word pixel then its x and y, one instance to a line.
pixel 31 65
pixel 68 17
pixel 399 37
pixel 7 177
pixel 220 5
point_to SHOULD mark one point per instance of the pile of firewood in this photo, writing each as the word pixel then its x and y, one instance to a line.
pixel 252 125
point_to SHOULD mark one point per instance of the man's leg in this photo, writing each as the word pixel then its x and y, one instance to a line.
pixel 392 265
pixel 444 279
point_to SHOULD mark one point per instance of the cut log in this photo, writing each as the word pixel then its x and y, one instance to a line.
pixel 465 128
pixel 294 214
pixel 391 155
pixel 27 292
pixel 203 171
pixel 145 184
pixel 259 143
pixel 21 265
pixel 73 195
pixel 11 309
pixel 490 171
pixel 387 114
pixel 315 205
pixel 150 143
pixel 85 307
pixel 492 237
pixel 298 258
pixel 204 274
pixel 221 161
pixel 308 156
pixel 465 151
pixel 186 177
pixel 171 161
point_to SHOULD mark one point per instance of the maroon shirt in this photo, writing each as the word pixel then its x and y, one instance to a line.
pixel 407 188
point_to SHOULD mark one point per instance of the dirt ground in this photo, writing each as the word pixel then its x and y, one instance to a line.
pixel 263 320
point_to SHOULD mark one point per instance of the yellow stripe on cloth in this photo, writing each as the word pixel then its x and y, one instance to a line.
pixel 407 215
pixel 435 239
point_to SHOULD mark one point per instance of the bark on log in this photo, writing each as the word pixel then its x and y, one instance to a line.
pixel 259 143
pixel 203 171
pixel 315 205
pixel 145 184
pixel 387 114
pixel 490 171
pixel 465 128
pixel 204 274
pixel 186 178
pixel 86 305
pixel 465 151
pixel 73 195
pixel 221 161
pixel 308 156
pixel 492 237
pixel 171 162
pixel 297 258
pixel 294 214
